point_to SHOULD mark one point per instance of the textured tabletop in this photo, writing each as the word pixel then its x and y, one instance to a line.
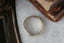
pixel 54 31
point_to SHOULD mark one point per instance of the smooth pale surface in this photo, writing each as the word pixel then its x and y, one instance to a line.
pixel 33 25
pixel 54 31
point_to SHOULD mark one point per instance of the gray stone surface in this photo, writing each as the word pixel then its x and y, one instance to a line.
pixel 54 31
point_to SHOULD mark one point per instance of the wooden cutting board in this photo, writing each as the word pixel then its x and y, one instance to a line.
pixel 52 9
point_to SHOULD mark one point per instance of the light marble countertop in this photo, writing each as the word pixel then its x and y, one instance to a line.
pixel 54 31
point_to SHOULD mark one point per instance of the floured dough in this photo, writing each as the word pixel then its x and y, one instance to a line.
pixel 33 25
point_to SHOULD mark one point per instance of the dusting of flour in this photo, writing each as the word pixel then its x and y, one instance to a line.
pixel 33 25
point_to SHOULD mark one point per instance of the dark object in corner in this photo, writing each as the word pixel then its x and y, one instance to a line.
pixel 9 32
